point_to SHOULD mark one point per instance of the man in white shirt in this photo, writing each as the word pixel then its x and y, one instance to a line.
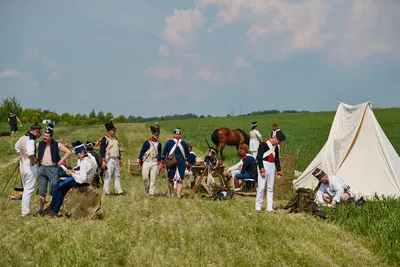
pixel 77 178
pixel 332 189
pixel 255 139
pixel 235 169
pixel 26 148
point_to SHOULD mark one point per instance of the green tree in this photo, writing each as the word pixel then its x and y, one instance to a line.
pixel 32 115
pixel 92 121
pixel 100 116
pixel 7 104
pixel 79 119
pixel 120 119
pixel 109 116
pixel 92 114
pixel 53 117
pixel 67 118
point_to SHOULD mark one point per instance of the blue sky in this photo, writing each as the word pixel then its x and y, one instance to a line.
pixel 153 58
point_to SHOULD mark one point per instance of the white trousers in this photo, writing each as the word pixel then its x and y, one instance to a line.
pixel 28 177
pixel 232 180
pixel 150 172
pixel 254 153
pixel 269 181
pixel 112 171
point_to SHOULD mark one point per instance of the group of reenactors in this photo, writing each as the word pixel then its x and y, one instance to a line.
pixel 41 163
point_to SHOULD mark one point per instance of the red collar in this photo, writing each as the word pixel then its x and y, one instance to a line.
pixel 153 139
pixel 177 137
pixel 244 157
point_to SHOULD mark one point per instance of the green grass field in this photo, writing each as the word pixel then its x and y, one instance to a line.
pixel 138 231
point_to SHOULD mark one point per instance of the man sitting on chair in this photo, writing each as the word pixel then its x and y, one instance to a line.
pixel 235 169
pixel 249 168
pixel 332 190
pixel 77 178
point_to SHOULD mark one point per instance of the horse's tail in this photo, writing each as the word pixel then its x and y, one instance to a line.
pixel 214 137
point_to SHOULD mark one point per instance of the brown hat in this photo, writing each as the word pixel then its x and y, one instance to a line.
pixel 318 173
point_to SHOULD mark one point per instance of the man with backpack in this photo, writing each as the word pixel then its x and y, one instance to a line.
pixel 249 168
pixel 176 151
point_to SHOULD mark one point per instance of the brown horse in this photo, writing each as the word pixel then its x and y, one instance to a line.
pixel 224 136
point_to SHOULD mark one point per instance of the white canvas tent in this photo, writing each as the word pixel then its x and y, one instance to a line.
pixel 358 151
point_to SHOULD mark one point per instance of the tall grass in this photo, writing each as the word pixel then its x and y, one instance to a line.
pixel 138 231
pixel 378 220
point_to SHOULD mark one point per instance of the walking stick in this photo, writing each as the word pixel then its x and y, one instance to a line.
pixel 16 167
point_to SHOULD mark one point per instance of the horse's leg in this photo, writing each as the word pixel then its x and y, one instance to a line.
pixel 221 150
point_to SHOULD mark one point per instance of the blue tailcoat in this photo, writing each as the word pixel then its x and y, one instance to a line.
pixel 179 156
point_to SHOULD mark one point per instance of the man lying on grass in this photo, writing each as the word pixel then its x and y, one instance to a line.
pixel 332 190
pixel 76 178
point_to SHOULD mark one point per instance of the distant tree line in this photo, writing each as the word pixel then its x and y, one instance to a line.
pixel 29 115
pixel 271 111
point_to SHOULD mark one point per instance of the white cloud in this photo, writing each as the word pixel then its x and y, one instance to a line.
pixel 13 73
pixel 163 50
pixel 162 71
pixel 32 54
pixel 371 28
pixel 349 30
pixel 241 63
pixel 207 75
pixel 54 73
pixel 179 27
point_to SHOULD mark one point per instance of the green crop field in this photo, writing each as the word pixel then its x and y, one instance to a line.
pixel 139 231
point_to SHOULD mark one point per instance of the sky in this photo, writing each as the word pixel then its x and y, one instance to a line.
pixel 207 57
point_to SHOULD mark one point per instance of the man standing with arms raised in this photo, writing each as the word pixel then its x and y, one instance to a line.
pixel 26 148
pixel 111 160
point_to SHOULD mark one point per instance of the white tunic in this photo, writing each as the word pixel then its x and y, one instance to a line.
pixel 86 171
pixel 255 138
pixel 335 188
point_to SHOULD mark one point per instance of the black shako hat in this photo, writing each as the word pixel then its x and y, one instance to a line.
pixel 281 136
pixel 110 126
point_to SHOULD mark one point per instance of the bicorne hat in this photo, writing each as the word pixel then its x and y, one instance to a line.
pixel 281 136
pixel 318 173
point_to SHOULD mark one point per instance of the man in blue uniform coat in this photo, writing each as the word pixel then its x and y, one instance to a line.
pixel 177 173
